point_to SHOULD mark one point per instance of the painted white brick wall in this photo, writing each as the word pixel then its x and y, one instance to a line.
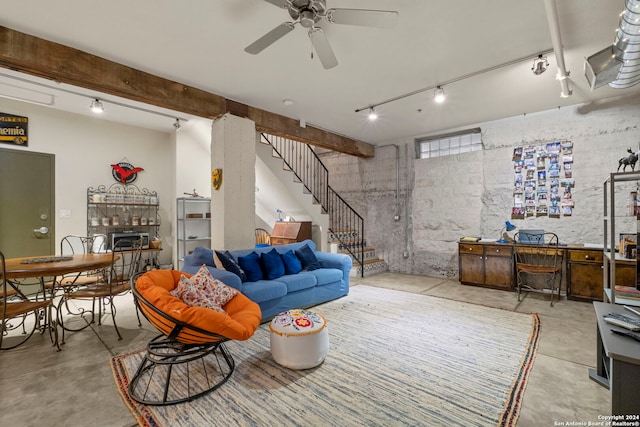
pixel 443 199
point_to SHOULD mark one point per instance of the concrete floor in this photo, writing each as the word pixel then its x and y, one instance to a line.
pixel 74 387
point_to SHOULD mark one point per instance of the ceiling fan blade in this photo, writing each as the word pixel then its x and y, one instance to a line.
pixel 268 39
pixel 363 17
pixel 279 3
pixel 323 48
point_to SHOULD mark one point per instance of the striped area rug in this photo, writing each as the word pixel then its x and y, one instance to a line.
pixel 395 359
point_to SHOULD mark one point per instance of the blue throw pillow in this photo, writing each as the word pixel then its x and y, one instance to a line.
pixel 251 265
pixel 308 258
pixel 272 264
pixel 229 264
pixel 291 263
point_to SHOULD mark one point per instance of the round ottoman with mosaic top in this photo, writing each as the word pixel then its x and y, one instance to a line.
pixel 299 339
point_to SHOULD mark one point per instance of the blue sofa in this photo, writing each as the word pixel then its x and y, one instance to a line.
pixel 301 290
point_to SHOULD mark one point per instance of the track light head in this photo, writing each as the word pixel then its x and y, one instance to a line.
pixel 438 95
pixel 540 65
pixel 372 114
pixel 96 106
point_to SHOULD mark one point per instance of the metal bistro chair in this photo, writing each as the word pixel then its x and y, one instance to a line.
pixel 125 263
pixel 73 245
pixel 24 312
pixel 538 260
pixel 76 245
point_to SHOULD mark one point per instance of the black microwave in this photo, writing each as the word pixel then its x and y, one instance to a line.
pixel 128 239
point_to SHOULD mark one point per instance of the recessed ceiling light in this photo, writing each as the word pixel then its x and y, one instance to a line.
pixel 287 102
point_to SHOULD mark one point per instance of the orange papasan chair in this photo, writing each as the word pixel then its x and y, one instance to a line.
pixel 188 359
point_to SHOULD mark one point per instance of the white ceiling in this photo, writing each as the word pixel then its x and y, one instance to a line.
pixel 201 43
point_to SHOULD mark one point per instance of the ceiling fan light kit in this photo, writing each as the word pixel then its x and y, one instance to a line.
pixel 309 13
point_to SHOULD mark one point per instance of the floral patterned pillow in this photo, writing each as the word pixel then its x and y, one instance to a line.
pixel 203 290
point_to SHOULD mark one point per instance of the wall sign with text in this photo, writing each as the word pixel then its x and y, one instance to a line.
pixel 14 129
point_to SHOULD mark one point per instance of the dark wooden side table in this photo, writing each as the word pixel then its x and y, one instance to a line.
pixel 618 364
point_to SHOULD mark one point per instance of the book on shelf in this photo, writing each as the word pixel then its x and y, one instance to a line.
pixel 634 203
pixel 627 292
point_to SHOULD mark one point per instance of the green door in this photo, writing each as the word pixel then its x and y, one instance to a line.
pixel 27 201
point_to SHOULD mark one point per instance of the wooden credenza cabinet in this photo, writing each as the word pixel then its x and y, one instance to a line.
pixel 492 265
pixel 585 274
pixel 489 265
pixel 290 232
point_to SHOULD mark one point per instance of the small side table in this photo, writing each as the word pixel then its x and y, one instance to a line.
pixel 618 364
pixel 299 339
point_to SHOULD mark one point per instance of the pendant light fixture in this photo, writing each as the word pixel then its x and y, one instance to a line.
pixel 438 95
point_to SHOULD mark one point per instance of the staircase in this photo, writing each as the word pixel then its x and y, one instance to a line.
pixel 346 226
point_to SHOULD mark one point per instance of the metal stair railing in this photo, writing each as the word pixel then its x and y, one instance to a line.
pixel 345 224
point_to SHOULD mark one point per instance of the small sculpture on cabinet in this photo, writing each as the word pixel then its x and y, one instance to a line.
pixel 630 160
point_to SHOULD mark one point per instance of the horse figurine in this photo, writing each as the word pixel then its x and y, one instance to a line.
pixel 630 160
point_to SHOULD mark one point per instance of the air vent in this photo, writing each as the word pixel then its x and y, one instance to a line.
pixel 601 68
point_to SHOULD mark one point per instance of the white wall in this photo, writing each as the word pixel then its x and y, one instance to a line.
pixel 84 149
pixel 443 199
pixel 193 158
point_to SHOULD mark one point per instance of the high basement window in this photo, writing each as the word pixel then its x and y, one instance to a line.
pixel 447 144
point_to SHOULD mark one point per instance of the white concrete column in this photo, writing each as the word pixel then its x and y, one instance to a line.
pixel 233 149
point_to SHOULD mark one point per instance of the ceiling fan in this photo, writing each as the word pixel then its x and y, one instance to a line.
pixel 309 13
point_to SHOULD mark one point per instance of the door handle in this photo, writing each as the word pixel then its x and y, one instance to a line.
pixel 41 230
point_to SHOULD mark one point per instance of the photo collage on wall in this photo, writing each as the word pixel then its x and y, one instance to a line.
pixel 543 183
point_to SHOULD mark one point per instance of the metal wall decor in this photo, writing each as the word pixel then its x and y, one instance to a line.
pixel 124 172
pixel 216 179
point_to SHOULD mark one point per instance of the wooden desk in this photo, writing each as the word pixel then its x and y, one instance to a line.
pixel 491 264
pixel 618 363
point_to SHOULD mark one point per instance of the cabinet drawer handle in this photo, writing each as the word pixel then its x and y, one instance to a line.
pixel 589 258
pixel 497 250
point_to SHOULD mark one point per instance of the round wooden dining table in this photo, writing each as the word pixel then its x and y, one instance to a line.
pixel 51 267
pixel 22 268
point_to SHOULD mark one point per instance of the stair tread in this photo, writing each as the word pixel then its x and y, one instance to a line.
pixel 369 261
pixel 367 249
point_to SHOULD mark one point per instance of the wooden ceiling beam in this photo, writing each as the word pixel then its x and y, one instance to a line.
pixel 39 57
pixel 286 127
pixel 32 55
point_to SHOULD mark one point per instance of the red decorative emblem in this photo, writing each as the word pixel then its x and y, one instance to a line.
pixel 124 172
